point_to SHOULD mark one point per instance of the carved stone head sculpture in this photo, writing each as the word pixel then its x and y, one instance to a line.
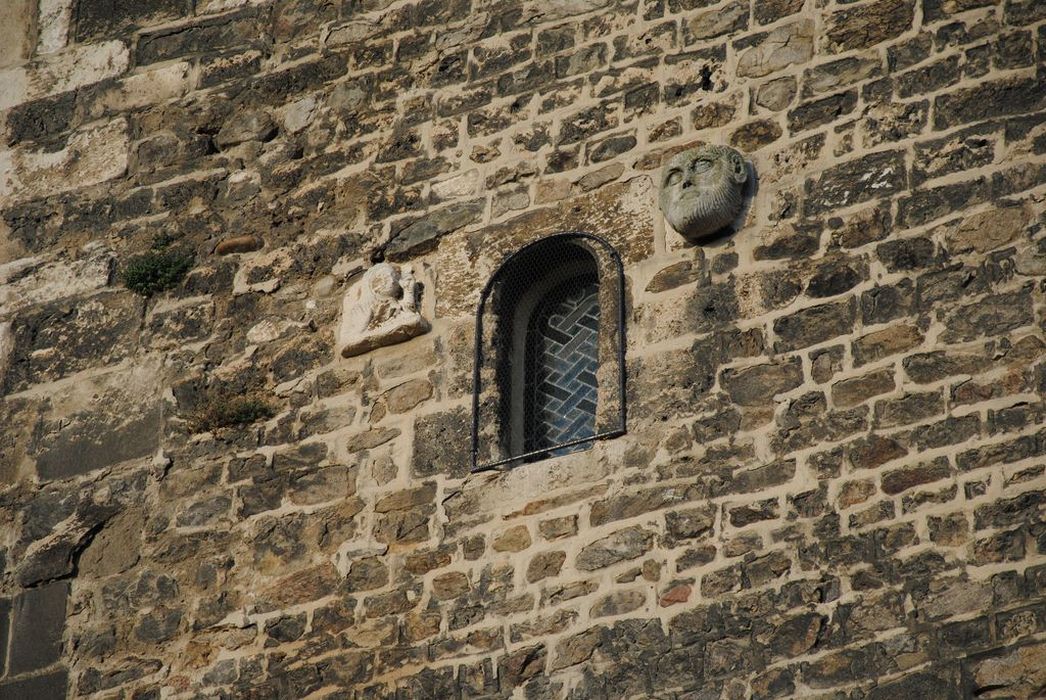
pixel 381 309
pixel 702 190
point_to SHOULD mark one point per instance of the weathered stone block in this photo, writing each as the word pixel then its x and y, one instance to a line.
pixel 759 478
pixel 618 603
pixel 871 177
pixel 106 18
pixel 35 281
pixel 886 303
pixel 244 126
pixel 776 94
pixel 835 277
pixel 778 49
pixel 996 314
pixel 947 432
pixel 769 11
pixel 1027 507
pixel 925 205
pixel 906 254
pixel 898 480
pixel 741 516
pixel 93 155
pixel 796 635
pixel 1009 96
pixel 545 565
pixel 987 230
pixel 629 505
pixel 158 625
pixel 16 40
pixel 44 119
pixel 220 68
pixel 757 385
pixel 515 539
pixel 366 573
pixel 286 629
pixel 89 441
pixel 910 408
pixel 840 73
pixel 622 545
pixel 518 667
pixel 789 243
pixel 420 497
pixel 948 531
pixel 858 229
pixel 874 451
pixel 555 528
pixel 204 512
pixel 814 325
pixel 916 685
pixel 998 548
pixel 49 685
pixel 850 392
pixel 929 78
pixel 1019 671
pixel 209 35
pixel 37 627
pixel 76 68
pixel 884 343
pixel 583 61
pixel 421 234
pixel 815 113
pixel 280 86
pixel 867 25
pixel 755 134
pixel 725 19
pixel 722 581
pixel 667 384
pixel 67 337
pixel 587 123
pixel 442 444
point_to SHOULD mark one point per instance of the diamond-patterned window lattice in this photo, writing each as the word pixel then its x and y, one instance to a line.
pixel 549 372
pixel 563 347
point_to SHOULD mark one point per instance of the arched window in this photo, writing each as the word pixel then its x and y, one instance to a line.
pixel 549 365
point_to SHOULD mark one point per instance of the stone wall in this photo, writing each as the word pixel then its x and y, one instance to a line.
pixel 833 478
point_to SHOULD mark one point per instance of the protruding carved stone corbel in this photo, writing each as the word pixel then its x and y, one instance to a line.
pixel 379 310
pixel 702 190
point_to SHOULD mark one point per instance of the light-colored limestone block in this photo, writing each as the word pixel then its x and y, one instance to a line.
pixel 93 155
pixel 83 65
pixel 16 31
pixel 35 281
pixel 54 20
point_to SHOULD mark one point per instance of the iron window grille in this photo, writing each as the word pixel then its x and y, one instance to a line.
pixel 549 364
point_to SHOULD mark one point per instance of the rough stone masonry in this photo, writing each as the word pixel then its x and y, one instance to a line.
pixel 832 484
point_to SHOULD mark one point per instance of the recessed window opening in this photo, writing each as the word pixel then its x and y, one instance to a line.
pixel 549 374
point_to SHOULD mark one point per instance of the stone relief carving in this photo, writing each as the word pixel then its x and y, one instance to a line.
pixel 381 309
pixel 702 190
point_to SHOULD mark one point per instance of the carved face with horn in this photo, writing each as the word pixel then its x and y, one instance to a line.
pixel 702 190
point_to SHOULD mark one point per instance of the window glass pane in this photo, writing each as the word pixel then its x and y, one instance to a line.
pixel 562 354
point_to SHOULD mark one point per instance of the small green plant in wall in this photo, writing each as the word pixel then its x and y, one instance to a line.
pixel 157 270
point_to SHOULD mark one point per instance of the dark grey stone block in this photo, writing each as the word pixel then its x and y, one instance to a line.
pixel 51 686
pixel 90 443
pixel 37 624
